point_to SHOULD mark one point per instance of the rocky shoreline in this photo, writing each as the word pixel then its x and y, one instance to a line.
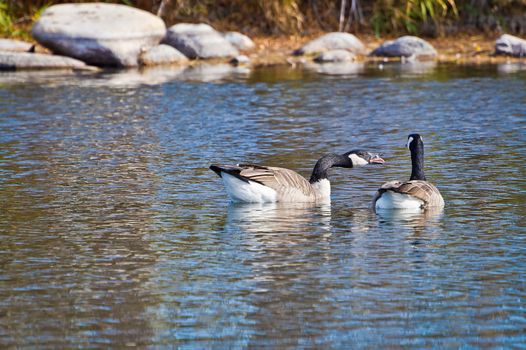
pixel 97 35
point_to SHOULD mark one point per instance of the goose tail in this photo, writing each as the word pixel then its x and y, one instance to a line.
pixel 233 170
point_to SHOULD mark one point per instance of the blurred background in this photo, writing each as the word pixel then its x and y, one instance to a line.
pixel 278 17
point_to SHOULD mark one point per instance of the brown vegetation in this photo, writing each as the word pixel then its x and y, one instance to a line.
pixel 431 18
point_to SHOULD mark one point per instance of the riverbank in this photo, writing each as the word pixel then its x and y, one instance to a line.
pixel 84 36
pixel 461 49
pixel 278 50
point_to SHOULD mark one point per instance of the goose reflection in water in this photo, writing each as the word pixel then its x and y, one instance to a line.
pixel 280 218
pixel 411 218
pixel 417 221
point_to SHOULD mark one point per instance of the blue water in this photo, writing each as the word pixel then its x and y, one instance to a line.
pixel 114 233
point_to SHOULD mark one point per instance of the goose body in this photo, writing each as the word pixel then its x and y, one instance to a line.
pixel 417 193
pixel 262 184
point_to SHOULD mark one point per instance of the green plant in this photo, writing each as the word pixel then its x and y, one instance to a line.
pixel 419 11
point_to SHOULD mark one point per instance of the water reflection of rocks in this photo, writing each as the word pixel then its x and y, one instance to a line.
pixel 409 68
pixel 129 77
pixel 337 68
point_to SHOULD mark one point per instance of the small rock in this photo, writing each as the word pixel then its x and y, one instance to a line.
pixel 98 33
pixel 510 45
pixel 199 41
pixel 241 59
pixel 239 41
pixel 332 41
pixel 161 54
pixel 14 45
pixel 335 56
pixel 405 46
pixel 25 60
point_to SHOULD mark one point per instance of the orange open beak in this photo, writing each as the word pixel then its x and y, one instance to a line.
pixel 376 159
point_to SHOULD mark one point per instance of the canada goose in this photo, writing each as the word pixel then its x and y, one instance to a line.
pixel 416 193
pixel 259 184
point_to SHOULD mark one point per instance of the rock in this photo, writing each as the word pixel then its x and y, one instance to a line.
pixel 239 41
pixel 26 60
pixel 335 56
pixel 161 54
pixel 405 46
pixel 98 33
pixel 241 59
pixel 14 45
pixel 510 45
pixel 332 41
pixel 199 41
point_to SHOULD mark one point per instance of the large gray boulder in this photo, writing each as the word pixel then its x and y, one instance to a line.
pixel 199 41
pixel 98 33
pixel 239 41
pixel 405 46
pixel 26 60
pixel 14 45
pixel 161 54
pixel 510 45
pixel 332 41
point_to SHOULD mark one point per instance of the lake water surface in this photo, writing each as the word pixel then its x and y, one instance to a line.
pixel 114 233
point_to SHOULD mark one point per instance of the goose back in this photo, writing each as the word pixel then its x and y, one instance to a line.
pixel 419 189
pixel 288 185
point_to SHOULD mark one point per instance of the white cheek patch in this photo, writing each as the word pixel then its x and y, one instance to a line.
pixel 409 140
pixel 357 160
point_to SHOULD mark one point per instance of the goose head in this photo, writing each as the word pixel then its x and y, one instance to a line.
pixel 414 141
pixel 359 158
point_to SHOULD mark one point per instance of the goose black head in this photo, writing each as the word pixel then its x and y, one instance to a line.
pixel 414 141
pixel 360 158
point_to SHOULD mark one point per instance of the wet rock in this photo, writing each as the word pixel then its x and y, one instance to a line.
pixel 239 41
pixel 405 46
pixel 199 41
pixel 335 56
pixel 98 33
pixel 332 41
pixel 161 54
pixel 241 59
pixel 510 45
pixel 14 45
pixel 26 60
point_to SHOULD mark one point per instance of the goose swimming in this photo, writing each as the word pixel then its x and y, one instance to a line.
pixel 259 184
pixel 416 193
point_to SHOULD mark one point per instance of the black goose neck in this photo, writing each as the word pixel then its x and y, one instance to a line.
pixel 321 169
pixel 417 161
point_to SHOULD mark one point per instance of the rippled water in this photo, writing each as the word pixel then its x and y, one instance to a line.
pixel 114 233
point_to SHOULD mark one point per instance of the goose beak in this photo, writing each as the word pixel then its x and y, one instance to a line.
pixel 376 159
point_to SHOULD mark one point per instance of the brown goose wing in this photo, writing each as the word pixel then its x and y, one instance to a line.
pixel 422 190
pixel 283 181
pixel 279 179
